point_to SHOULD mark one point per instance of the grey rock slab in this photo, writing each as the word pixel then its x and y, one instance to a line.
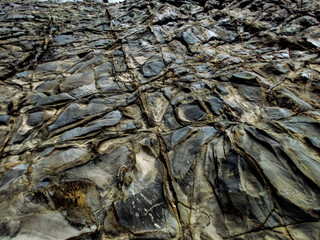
pixel 158 105
pixel 72 113
pixel 252 93
pixel 216 105
pixel 84 91
pixel 119 62
pixel 128 125
pixel 106 67
pixel 77 80
pixel 151 69
pixel 4 119
pixel 306 161
pixel 47 86
pixel 48 68
pixel 46 151
pixel 245 78
pixel 240 183
pixel 191 112
pixel 287 99
pixel 178 135
pixel 35 118
pixel 103 170
pixel 58 98
pixel 305 231
pixel 169 119
pixel 222 90
pixel 282 175
pixel 50 225
pixel 63 39
pixel 59 161
pixel 146 211
pixel 189 37
pixel 275 113
pixel 12 175
pixel 108 120
pixel 159 119
pixel 106 84
pixel 183 156
pixel 7 92
pixel 75 112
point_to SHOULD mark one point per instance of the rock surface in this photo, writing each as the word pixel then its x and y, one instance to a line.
pixel 160 119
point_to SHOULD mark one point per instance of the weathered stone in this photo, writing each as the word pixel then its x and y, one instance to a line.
pixel 287 99
pixel 59 161
pixel 277 169
pixel 245 78
pixel 275 113
pixel 159 119
pixel 12 175
pixel 216 105
pixel 149 213
pixel 305 230
pixel 35 119
pixel 75 112
pixel 106 67
pixel 64 39
pixel 4 119
pixel 151 69
pixel 103 171
pixel 191 112
pixel 76 81
pixel 184 156
pixel 107 84
pixel 48 225
pixel 47 86
pixel 108 120
pixel 190 37
pixel 178 135
pixel 61 97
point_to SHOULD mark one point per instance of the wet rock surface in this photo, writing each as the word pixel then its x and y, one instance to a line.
pixel 160 120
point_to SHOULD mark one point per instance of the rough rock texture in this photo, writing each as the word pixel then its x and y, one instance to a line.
pixel 160 120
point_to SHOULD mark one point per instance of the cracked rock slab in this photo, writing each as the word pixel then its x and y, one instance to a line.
pixel 159 119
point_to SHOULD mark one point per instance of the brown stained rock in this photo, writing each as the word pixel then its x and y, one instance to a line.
pixel 79 199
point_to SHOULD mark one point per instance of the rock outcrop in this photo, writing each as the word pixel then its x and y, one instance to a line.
pixel 160 120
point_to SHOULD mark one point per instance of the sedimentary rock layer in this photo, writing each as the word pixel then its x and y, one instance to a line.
pixel 160 120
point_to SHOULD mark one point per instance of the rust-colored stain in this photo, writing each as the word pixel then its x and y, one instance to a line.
pixel 71 194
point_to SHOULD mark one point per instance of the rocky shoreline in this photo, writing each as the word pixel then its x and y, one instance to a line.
pixel 160 120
